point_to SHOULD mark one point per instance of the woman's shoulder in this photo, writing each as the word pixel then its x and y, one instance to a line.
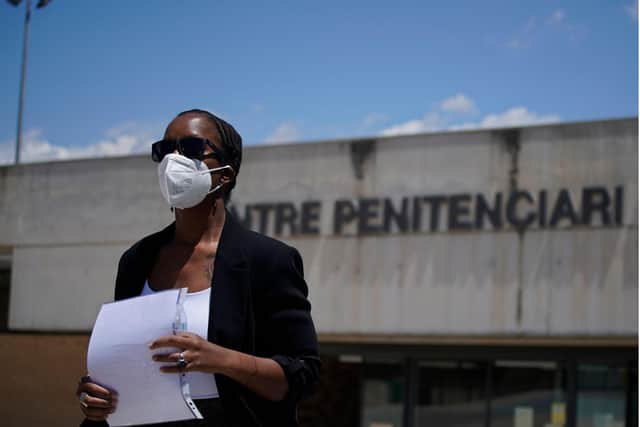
pixel 148 244
pixel 251 242
pixel 135 262
pixel 261 247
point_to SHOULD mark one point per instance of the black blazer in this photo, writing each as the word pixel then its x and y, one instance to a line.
pixel 258 306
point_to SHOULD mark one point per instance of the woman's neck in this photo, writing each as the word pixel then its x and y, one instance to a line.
pixel 200 224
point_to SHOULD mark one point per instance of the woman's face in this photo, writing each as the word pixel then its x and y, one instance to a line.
pixel 196 125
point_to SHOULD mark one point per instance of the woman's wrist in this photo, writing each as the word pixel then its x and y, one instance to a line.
pixel 261 375
pixel 237 365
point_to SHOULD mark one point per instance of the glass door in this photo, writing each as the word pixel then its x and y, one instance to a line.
pixel 451 394
pixel 528 394
pixel 601 395
pixel 382 394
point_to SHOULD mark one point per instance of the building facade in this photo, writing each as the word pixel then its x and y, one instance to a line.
pixel 475 278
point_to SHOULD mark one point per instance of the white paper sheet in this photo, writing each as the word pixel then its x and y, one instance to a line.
pixel 119 358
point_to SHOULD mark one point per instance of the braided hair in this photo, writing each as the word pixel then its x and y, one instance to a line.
pixel 231 143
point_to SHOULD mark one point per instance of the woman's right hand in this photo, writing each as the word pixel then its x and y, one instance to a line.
pixel 97 402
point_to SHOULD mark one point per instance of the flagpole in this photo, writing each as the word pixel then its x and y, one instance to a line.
pixel 25 44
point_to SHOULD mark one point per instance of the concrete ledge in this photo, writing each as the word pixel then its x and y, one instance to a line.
pixel 479 340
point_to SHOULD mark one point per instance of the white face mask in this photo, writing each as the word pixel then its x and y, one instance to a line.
pixel 185 182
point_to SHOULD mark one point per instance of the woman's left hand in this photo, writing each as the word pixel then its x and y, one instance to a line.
pixel 198 353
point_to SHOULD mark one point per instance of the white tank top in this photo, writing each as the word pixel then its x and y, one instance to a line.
pixel 196 306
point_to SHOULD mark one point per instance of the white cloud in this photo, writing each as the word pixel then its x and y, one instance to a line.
pixel 373 119
pixel 430 122
pixel 36 148
pixel 515 116
pixel 257 107
pixel 435 121
pixel 127 138
pixel 516 44
pixel 556 24
pixel 525 35
pixel 459 103
pixel 285 132
pixel 632 10
pixel 556 17
pixel 7 152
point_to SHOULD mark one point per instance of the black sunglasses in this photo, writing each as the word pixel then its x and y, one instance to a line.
pixel 192 147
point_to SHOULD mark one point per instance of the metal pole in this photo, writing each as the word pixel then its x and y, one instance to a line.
pixel 22 80
pixel 412 376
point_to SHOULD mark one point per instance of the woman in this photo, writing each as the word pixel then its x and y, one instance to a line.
pixel 254 331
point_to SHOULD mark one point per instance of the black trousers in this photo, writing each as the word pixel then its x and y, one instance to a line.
pixel 211 410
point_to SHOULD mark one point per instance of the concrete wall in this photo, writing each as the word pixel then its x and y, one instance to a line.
pixel 67 223
pixel 40 374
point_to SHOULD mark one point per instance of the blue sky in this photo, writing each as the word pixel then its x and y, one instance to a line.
pixel 104 78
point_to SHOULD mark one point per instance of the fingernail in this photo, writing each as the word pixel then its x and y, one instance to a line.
pixel 154 357
pixel 151 345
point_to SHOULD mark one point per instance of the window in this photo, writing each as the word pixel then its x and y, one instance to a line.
pixel 455 388
pixel 382 394
pixel 451 394
pixel 601 395
pixel 528 394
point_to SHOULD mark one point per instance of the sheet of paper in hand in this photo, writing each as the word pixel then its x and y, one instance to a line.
pixel 119 359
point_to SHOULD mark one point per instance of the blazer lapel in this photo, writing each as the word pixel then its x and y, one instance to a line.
pixel 140 259
pixel 230 288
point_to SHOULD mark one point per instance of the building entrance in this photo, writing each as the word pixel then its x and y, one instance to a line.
pixel 434 386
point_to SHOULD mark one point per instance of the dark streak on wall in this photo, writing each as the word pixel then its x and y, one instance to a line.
pixel 361 150
pixel 511 138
